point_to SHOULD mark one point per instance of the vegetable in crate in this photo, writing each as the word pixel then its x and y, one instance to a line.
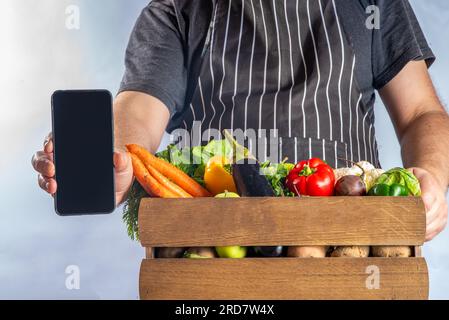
pixel 307 252
pixel 217 176
pixel 172 173
pixel 270 251
pixel 276 174
pixel 311 177
pixel 182 160
pixel 236 252
pixel 363 169
pixel 395 182
pixel 200 253
pixel 351 183
pixel 351 251
pixel 392 251
pixel 227 194
pixel 169 252
pixel 246 172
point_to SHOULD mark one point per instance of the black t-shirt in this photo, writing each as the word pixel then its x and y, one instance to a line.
pixel 164 50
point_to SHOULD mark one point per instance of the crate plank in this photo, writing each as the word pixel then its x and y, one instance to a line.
pixel 283 278
pixel 282 221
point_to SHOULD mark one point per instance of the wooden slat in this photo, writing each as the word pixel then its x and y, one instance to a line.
pixel 283 278
pixel 282 221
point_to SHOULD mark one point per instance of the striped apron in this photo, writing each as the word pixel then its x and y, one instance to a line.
pixel 284 67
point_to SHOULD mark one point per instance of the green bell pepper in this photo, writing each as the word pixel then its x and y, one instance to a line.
pixel 394 190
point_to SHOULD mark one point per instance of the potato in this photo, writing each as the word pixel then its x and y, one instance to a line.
pixel 392 251
pixel 351 251
pixel 307 252
pixel 169 252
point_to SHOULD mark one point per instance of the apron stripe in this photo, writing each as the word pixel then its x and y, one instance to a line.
pixel 357 125
pixel 364 136
pixel 318 70
pixel 324 150
pixel 310 148
pixel 237 65
pixel 220 96
pixel 370 146
pixel 212 71
pixel 342 68
pixel 330 72
pixel 350 108
pixel 265 69
pixel 335 155
pixel 202 99
pixel 250 66
pixel 296 150
pixel 291 71
pixel 193 113
pixel 305 70
pixel 280 150
pixel 279 66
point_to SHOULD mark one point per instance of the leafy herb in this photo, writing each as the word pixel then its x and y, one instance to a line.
pixel 131 210
pixel 276 174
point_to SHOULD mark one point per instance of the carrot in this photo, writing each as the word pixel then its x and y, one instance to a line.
pixel 148 182
pixel 170 171
pixel 167 183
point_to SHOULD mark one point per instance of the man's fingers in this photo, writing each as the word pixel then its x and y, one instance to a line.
pixel 121 161
pixel 48 143
pixel 43 163
pixel 432 214
pixel 47 184
pixel 437 225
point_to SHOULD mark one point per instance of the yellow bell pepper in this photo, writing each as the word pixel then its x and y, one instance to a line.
pixel 216 178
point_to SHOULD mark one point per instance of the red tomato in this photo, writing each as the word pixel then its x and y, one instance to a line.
pixel 311 178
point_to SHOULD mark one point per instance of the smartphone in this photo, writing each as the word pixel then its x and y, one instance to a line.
pixel 82 122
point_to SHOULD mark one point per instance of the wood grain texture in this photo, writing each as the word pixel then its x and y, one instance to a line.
pixel 282 278
pixel 282 221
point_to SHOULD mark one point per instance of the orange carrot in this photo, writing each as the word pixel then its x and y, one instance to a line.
pixel 149 183
pixel 167 183
pixel 170 171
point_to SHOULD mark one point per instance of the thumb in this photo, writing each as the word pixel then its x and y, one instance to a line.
pixel 121 161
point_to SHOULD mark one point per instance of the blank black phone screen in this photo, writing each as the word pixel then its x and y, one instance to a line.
pixel 83 151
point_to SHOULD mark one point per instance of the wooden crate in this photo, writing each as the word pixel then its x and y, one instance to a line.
pixel 282 221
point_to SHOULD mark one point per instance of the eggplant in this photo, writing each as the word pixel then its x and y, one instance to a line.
pixel 275 251
pixel 246 172
pixel 249 181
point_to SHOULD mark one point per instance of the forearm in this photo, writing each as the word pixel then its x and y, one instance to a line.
pixel 140 119
pixel 425 144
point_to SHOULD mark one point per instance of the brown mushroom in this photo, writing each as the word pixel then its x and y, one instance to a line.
pixel 351 251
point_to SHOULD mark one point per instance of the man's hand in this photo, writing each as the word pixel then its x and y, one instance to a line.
pixel 422 126
pixel 42 162
pixel 434 197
